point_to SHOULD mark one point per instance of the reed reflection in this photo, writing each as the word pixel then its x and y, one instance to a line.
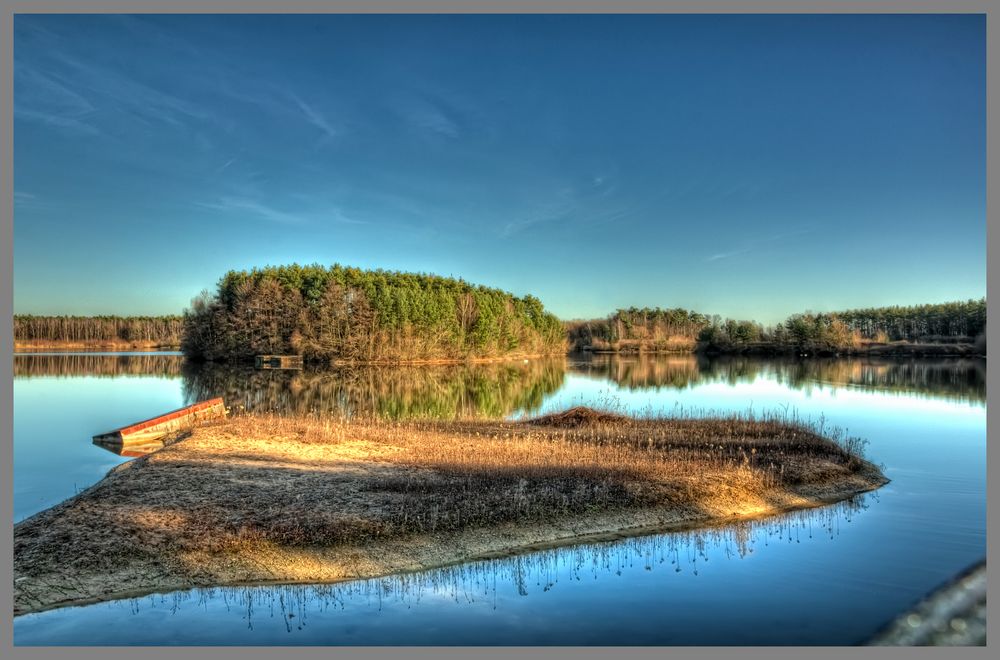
pixel 492 581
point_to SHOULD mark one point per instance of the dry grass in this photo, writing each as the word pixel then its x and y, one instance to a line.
pixel 434 476
pixel 275 491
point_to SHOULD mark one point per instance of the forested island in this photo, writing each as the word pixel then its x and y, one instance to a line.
pixel 340 314
pixel 344 315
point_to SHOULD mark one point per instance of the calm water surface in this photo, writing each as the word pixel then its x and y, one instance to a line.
pixel 831 576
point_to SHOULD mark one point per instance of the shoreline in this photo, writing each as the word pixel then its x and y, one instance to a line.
pixel 889 351
pixel 260 500
pixel 882 350
pixel 30 346
pixel 438 361
pixel 428 362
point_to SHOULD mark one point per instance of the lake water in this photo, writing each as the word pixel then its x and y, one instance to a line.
pixel 831 576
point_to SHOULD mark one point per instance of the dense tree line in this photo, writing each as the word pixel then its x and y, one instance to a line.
pixel 649 328
pixel 944 322
pixel 353 315
pixel 163 330
pixel 722 333
pixel 919 322
pixel 665 329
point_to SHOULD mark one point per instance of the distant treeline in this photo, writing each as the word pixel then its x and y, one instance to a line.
pixel 151 330
pixel 946 321
pixel 629 330
pixel 353 315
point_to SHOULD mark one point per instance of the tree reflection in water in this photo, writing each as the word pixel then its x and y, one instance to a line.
pixel 962 379
pixel 502 389
pixel 405 392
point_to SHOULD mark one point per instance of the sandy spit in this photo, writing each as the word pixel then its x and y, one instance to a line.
pixel 265 500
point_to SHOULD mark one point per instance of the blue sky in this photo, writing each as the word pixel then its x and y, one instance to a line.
pixel 749 166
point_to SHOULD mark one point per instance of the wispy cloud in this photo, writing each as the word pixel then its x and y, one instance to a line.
pixel 92 94
pixel 147 30
pixel 225 166
pixel 252 207
pixel 755 244
pixel 564 203
pixel 47 99
pixel 429 113
pixel 70 124
pixel 30 201
pixel 609 215
pixel 23 198
pixel 50 87
pixel 338 217
pixel 280 101
pixel 745 189
pixel 594 201
pixel 315 118
pixel 725 255
pixel 455 113
pixel 132 96
pixel 428 117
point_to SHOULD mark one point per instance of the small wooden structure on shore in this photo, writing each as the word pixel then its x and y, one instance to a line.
pixel 151 430
pixel 279 361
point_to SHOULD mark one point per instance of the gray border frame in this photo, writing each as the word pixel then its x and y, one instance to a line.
pixel 10 7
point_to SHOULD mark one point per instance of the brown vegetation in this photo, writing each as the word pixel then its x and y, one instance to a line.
pixel 265 498
pixel 120 332
pixel 638 331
